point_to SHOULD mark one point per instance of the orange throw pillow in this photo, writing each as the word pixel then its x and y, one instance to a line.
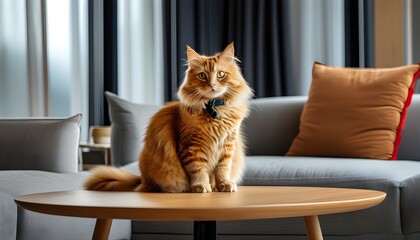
pixel 355 113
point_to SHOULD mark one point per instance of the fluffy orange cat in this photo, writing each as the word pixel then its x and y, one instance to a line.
pixel 194 145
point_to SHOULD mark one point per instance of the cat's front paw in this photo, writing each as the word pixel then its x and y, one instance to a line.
pixel 227 186
pixel 201 188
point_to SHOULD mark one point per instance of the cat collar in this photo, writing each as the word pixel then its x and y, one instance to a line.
pixel 214 103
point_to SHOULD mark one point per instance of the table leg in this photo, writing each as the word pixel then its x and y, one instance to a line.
pixel 102 229
pixel 313 229
pixel 80 162
pixel 205 230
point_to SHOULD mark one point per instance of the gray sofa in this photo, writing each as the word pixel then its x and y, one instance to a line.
pixel 270 129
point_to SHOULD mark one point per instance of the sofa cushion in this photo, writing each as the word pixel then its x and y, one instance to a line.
pixel 49 144
pixel 354 112
pixel 128 122
pixel 399 179
pixel 395 215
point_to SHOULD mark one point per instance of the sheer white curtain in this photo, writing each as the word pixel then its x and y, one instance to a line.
pixel 43 58
pixel 140 51
pixel 14 92
pixel 317 34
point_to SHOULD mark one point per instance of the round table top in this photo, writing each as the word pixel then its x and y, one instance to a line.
pixel 250 202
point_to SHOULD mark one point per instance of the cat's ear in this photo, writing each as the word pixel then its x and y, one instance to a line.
pixel 191 54
pixel 228 54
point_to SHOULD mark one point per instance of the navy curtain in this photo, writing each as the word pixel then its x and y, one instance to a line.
pixel 257 28
pixel 110 53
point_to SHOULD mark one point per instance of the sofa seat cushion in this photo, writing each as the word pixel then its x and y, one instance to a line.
pixel 32 225
pixel 398 213
pixel 31 181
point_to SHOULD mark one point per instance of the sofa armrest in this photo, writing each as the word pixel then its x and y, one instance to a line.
pixel 40 144
pixel 8 216
pixel 273 124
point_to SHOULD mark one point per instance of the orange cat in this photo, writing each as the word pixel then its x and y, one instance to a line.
pixel 194 145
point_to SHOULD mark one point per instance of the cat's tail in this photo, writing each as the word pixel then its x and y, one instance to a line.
pixel 106 178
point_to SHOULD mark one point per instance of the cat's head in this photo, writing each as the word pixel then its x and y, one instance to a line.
pixel 214 77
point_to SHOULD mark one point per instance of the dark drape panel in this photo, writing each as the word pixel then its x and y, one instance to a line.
pixel 352 33
pixel 102 58
pixel 95 64
pixel 369 33
pixel 110 53
pixel 359 33
pixel 208 26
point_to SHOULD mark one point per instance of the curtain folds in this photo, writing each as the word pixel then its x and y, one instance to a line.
pixel 315 33
pixel 359 33
pixel 140 51
pixel 209 26
pixel 37 70
pixel 43 59
pixel 276 41
pixel 14 92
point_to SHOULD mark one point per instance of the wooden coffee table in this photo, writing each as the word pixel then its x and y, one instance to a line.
pixel 250 202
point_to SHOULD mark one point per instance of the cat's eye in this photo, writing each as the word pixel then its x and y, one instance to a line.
pixel 221 74
pixel 202 76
